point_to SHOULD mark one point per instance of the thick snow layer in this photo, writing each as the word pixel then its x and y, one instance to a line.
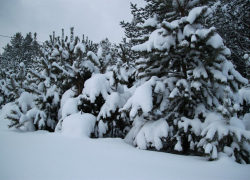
pixel 68 94
pixel 188 30
pixel 44 156
pixel 214 124
pixel 195 13
pixel 70 107
pixel 78 125
pixel 150 134
pixel 200 71
pixel 6 110
pixel 81 47
pixel 90 66
pixel 194 123
pixel 55 53
pixel 150 22
pixel 159 39
pixel 96 85
pixel 202 33
pixel 215 41
pixel 94 57
pixel 142 97
pixel 102 128
pixel 25 101
pixel 99 52
pixel 228 68
pixel 219 75
pixel 219 128
pixel 170 26
pixel 113 102
pixel 237 123
pixel 244 95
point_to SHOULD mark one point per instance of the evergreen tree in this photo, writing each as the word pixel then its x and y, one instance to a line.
pixel 20 50
pixel 16 54
pixel 192 69
pixel 6 56
pixel 45 94
pixel 73 63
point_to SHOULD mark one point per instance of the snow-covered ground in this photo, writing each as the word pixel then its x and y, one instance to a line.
pixel 43 155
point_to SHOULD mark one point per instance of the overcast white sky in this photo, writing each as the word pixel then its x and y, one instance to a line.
pixel 96 19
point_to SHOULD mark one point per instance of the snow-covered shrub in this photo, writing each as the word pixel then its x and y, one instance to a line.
pixel 68 109
pixel 61 66
pixel 43 82
pixel 145 108
pixel 47 104
pixel 231 138
pixel 19 112
pixel 14 82
pixel 103 99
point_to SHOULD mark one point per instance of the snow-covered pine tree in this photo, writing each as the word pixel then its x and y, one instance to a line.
pixel 20 50
pixel 22 112
pixel 73 67
pixel 103 94
pixel 42 81
pixel 103 98
pixel 83 67
pixel 101 61
pixel 111 123
pixel 72 63
pixel 16 51
pixel 192 69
